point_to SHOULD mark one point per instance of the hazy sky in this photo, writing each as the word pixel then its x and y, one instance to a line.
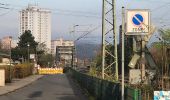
pixel 86 13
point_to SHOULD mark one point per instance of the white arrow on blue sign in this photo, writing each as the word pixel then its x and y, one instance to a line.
pixel 137 19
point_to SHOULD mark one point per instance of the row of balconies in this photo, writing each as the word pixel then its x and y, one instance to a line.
pixel 62 52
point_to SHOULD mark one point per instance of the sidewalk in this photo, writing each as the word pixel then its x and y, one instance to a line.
pixel 18 83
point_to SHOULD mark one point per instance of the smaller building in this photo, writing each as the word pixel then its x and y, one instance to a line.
pixel 7 43
pixel 64 51
pixel 53 47
pixel 4 58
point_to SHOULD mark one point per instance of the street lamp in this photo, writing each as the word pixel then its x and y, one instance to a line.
pixel 28 45
pixel 10 76
pixel 73 48
pixel 77 39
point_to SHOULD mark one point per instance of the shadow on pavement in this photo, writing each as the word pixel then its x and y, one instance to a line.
pixel 68 98
pixel 35 94
pixel 78 91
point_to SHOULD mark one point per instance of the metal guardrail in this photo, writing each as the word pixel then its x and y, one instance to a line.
pixel 103 89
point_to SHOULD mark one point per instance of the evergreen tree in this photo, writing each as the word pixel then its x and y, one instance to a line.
pixel 21 51
pixel 25 39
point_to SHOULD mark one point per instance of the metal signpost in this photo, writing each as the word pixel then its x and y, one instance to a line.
pixel 123 52
pixel 137 24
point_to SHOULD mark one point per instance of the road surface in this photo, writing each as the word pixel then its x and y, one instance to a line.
pixel 49 87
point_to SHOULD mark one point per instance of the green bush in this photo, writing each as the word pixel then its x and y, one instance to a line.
pixel 66 69
pixel 23 70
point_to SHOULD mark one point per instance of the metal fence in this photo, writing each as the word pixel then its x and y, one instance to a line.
pixel 103 89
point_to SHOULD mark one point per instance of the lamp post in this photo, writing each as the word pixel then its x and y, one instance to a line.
pixel 77 39
pixel 73 48
pixel 28 45
pixel 10 76
pixel 36 56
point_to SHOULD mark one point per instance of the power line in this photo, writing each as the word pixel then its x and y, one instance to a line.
pixel 77 15
pixel 6 13
pixel 82 36
pixel 75 11
pixel 158 1
pixel 4 8
pixel 4 4
pixel 162 6
pixel 62 12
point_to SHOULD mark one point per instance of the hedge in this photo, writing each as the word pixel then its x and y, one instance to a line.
pixel 23 70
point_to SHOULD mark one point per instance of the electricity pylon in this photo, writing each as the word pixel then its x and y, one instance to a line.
pixel 109 40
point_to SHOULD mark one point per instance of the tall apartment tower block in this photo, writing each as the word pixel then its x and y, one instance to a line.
pixel 38 21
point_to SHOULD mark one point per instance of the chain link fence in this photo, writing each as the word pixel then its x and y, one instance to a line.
pixel 103 89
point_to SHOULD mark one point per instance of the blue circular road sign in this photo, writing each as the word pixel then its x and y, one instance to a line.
pixel 137 19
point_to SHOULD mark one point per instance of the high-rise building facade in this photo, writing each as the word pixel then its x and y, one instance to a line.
pixel 38 21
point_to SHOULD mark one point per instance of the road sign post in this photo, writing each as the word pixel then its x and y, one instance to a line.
pixel 138 23
pixel 123 52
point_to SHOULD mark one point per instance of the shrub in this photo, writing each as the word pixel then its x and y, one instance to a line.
pixel 23 70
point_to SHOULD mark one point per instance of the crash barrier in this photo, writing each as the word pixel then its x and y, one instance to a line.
pixel 50 70
pixel 103 89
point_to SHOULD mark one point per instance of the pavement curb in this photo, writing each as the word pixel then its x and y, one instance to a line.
pixel 9 89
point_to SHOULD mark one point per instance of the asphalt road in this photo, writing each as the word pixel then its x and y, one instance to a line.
pixel 49 87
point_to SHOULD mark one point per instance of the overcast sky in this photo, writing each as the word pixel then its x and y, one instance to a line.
pixel 86 13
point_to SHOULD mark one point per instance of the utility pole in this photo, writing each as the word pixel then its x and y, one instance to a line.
pixel 103 38
pixel 109 38
pixel 123 51
pixel 73 56
pixel 115 39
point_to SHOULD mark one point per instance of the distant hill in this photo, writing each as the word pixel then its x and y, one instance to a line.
pixel 85 50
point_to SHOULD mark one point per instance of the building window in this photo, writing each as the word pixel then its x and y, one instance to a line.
pixel 63 43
